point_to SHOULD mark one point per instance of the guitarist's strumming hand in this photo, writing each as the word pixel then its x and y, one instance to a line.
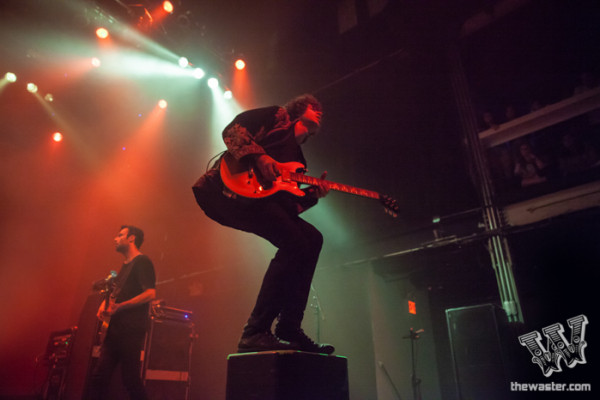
pixel 268 167
pixel 112 308
pixel 106 312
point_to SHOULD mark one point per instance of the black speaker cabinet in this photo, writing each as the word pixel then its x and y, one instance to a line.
pixel 479 354
pixel 168 353
pixel 286 375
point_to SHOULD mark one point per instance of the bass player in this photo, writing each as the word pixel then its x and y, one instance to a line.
pixel 128 313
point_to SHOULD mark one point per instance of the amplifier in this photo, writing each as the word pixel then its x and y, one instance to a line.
pixel 59 347
pixel 57 357
pixel 168 352
pixel 159 310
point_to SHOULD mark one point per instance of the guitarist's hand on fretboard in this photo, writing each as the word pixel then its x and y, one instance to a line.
pixel 101 314
pixel 322 188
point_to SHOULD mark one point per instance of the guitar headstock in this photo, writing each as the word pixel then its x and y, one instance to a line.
pixel 390 205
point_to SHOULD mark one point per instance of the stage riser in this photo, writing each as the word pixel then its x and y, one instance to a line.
pixel 286 376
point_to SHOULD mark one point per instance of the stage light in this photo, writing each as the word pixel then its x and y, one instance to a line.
pixel 96 62
pixel 32 87
pixel 162 103
pixel 57 137
pixel 102 33
pixel 10 77
pixel 199 73
pixel 240 64
pixel 49 98
pixel 227 94
pixel 168 6
pixel 213 83
pixel 183 62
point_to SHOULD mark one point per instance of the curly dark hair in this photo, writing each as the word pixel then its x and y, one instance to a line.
pixel 296 107
pixel 137 232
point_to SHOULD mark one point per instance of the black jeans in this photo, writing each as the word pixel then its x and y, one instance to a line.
pixel 124 348
pixel 286 284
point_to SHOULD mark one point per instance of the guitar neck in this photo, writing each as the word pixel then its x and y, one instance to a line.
pixel 309 180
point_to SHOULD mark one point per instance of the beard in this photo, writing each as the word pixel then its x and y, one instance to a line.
pixel 121 248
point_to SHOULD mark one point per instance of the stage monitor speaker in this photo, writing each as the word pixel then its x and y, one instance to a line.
pixel 286 375
pixel 477 336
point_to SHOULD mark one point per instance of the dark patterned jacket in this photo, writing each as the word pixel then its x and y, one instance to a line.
pixel 265 130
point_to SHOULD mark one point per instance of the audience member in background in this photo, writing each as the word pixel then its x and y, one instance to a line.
pixel 575 155
pixel 502 168
pixel 510 112
pixel 529 167
pixel 489 122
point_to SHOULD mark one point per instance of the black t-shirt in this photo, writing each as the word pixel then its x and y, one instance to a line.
pixel 133 279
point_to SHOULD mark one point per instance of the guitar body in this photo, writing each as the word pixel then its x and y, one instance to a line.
pixel 245 181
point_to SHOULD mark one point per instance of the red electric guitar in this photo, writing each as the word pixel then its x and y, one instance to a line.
pixel 246 181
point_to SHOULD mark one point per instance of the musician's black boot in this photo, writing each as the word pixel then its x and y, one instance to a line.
pixel 300 341
pixel 260 339
pixel 263 341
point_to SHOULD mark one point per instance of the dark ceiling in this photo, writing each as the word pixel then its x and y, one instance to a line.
pixel 391 121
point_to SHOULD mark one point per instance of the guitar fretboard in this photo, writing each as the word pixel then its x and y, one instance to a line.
pixel 309 180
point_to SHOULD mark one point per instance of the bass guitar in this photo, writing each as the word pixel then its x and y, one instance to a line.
pixel 244 180
pixel 107 294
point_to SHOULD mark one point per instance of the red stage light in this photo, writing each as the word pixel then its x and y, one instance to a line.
pixel 57 137
pixel 240 64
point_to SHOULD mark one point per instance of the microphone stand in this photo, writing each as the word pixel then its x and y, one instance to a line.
pixel 416 382
pixel 318 312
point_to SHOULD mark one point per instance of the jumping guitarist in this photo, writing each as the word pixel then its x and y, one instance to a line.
pixel 261 143
pixel 127 315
